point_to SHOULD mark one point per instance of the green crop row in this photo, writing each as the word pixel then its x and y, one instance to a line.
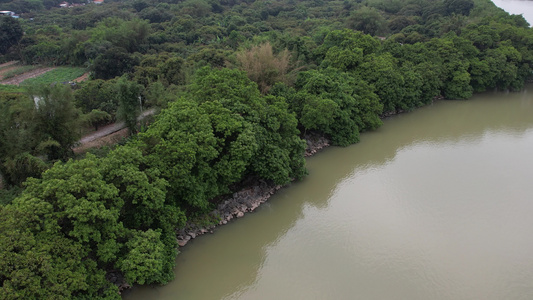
pixel 58 75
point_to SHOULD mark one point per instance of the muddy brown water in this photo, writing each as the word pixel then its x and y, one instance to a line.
pixel 436 204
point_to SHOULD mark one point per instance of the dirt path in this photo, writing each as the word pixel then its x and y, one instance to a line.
pixel 20 78
pixel 9 63
pixel 107 140
pixel 102 132
pixel 104 135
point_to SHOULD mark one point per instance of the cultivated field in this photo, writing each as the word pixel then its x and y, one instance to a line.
pixel 13 73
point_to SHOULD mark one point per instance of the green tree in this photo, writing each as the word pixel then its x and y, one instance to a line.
pixel 383 73
pixel 18 139
pixel 275 128
pixel 96 118
pixel 163 67
pixel 180 143
pixel 458 6
pixel 455 55
pixel 57 119
pixel 97 94
pixel 144 194
pixel 130 104
pixel 39 265
pixel 336 104
pixel 10 33
pixel 368 20
pixel 114 62
pixel 19 167
pixel 128 34
pixel 345 49
pixel 144 261
pixel 74 215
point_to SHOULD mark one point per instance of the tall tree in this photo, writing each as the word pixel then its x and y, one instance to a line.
pixel 130 104
pixel 280 149
pixel 336 104
pixel 368 20
pixel 10 33
pixel 57 119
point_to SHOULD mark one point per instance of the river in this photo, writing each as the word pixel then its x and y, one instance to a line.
pixel 435 204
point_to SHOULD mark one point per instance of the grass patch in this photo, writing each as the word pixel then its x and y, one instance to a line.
pixel 19 70
pixel 61 74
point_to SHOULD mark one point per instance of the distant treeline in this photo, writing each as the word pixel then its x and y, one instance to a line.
pixel 239 84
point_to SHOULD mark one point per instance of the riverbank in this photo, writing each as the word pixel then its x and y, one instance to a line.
pixel 235 206
pixel 243 201
pixel 251 197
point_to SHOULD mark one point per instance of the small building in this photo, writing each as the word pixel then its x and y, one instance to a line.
pixel 63 4
pixel 7 13
pixel 98 1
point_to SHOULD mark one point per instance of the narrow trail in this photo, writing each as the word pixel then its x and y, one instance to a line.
pixel 9 63
pixel 111 128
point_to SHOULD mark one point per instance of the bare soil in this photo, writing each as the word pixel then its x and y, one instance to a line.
pixel 102 132
pixel 107 135
pixel 99 142
pixel 82 78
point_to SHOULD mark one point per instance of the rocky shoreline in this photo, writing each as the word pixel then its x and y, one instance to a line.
pixel 245 200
